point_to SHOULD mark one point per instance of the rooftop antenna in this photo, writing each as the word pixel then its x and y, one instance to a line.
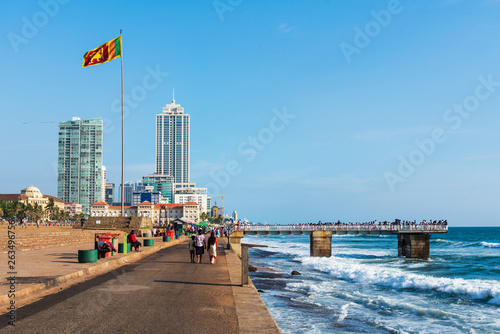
pixel 173 95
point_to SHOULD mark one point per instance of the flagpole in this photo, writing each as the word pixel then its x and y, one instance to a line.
pixel 123 138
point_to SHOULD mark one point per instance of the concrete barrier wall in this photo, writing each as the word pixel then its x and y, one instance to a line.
pixel 38 240
pixel 125 223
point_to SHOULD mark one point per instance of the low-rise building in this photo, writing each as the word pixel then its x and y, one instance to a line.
pixel 73 208
pixel 160 213
pixel 33 195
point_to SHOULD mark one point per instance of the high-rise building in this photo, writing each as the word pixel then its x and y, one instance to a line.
pixel 161 183
pixel 127 193
pixel 235 216
pixel 138 186
pixel 103 184
pixel 110 193
pixel 147 194
pixel 173 143
pixel 79 165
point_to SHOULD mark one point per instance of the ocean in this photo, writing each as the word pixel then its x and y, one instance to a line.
pixel 366 288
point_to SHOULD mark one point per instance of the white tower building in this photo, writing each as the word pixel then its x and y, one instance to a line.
pixel 173 143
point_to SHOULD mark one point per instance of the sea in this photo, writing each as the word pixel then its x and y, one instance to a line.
pixel 366 288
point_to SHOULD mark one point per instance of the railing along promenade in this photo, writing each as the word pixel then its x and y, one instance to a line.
pixel 368 228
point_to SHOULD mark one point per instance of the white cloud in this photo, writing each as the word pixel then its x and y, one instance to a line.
pixel 285 28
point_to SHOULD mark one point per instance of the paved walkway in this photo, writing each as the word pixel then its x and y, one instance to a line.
pixel 43 272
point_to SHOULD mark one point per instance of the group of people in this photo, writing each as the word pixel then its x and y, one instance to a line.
pixel 398 224
pixel 198 244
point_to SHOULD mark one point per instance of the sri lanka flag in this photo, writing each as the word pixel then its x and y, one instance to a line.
pixel 106 52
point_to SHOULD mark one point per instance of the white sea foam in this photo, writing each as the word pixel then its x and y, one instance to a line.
pixel 319 290
pixel 395 278
pixel 490 244
pixel 343 312
pixel 445 241
pixel 302 249
pixel 361 251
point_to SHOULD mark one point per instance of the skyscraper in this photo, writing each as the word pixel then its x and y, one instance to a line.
pixel 161 183
pixel 103 184
pixel 173 143
pixel 79 165
pixel 110 193
pixel 127 192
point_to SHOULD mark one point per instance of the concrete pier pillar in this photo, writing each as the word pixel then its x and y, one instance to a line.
pixel 235 241
pixel 321 244
pixel 414 246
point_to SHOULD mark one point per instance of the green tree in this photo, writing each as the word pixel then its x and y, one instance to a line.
pixel 55 213
pixel 17 209
pixel 37 212
pixel 27 211
pixel 4 208
pixel 49 208
pixel 204 216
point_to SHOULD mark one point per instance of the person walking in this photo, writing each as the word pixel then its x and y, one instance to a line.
pixel 212 247
pixel 191 249
pixel 199 242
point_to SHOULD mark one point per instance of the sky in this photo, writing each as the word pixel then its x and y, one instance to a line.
pixel 301 111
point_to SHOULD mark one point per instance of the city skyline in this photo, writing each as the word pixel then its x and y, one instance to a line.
pixel 351 111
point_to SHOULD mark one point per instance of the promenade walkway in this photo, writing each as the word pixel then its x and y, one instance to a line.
pixel 48 271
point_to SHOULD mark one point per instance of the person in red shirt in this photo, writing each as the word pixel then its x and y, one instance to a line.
pixel 133 241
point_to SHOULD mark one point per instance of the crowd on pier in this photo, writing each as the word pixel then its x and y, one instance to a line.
pixel 396 225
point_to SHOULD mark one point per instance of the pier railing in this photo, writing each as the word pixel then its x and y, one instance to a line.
pixel 392 228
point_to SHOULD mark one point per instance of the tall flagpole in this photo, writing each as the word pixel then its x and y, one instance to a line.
pixel 123 137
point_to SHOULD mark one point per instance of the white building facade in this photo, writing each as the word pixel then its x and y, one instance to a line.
pixel 160 213
pixel 188 192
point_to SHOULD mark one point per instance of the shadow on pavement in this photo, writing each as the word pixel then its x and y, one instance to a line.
pixel 194 283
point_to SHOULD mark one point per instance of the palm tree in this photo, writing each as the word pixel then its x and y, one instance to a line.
pixel 28 211
pixel 37 212
pixel 55 214
pixel 203 216
pixel 50 207
pixel 16 208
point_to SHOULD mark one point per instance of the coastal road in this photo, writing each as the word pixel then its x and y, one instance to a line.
pixel 162 293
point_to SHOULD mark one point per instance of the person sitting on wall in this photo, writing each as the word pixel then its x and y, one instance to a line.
pixel 132 240
pixel 105 247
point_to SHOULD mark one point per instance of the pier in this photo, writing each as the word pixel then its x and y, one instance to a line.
pixel 413 240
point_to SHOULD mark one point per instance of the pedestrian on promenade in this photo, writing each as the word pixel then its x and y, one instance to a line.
pixel 199 242
pixel 212 247
pixel 133 241
pixel 191 248
pixel 82 223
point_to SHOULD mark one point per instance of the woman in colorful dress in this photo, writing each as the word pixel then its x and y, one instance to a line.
pixel 212 247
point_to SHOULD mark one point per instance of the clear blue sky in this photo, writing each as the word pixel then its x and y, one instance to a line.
pixel 361 82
